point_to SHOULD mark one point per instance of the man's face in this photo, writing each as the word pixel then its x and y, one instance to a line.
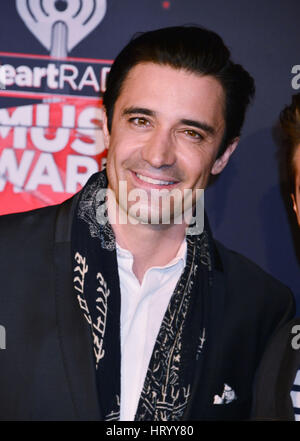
pixel 166 130
pixel 296 196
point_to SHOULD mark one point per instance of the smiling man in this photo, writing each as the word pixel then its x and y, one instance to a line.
pixel 118 308
pixel 166 131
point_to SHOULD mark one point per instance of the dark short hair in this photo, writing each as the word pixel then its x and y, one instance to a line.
pixel 196 50
pixel 290 124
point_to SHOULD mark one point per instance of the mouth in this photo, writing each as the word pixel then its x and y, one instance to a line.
pixel 154 182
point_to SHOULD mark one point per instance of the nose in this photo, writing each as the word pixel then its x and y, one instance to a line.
pixel 159 150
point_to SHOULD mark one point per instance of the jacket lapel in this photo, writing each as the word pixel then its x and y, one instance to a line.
pixel 74 333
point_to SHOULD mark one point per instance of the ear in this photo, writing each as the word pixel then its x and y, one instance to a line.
pixel 106 134
pixel 221 162
pixel 295 208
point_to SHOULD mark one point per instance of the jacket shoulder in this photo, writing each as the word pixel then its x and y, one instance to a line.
pixel 31 224
pixel 263 298
pixel 27 218
pixel 240 269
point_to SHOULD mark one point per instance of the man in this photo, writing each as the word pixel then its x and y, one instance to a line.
pixel 114 306
pixel 277 394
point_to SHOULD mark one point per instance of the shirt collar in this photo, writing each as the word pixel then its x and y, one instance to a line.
pixel 122 253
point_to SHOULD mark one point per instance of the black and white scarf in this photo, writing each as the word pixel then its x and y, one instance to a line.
pixel 179 345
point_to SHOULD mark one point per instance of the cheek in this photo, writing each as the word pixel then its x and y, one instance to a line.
pixel 110 159
pixel 198 166
pixel 115 150
pixel 123 144
pixel 298 202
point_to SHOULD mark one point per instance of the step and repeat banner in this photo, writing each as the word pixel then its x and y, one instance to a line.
pixel 51 146
pixel 55 56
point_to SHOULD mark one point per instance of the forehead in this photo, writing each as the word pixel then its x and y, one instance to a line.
pixel 165 89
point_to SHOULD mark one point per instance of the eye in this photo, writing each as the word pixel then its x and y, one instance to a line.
pixel 193 134
pixel 139 121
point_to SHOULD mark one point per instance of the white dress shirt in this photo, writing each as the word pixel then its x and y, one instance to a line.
pixel 142 310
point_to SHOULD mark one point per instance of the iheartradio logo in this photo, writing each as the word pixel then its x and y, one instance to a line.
pixel 60 25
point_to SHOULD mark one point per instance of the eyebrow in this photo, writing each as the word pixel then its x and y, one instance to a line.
pixel 142 110
pixel 190 122
pixel 200 125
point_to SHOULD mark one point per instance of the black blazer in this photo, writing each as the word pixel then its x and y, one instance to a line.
pixel 47 368
pixel 276 376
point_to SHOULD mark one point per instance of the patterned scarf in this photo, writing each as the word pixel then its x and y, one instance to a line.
pixel 179 345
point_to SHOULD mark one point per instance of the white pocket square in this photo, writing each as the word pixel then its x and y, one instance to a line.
pixel 227 396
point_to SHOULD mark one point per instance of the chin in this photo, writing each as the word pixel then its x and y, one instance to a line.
pixel 151 215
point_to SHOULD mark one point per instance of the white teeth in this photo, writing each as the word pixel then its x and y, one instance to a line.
pixel 153 181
